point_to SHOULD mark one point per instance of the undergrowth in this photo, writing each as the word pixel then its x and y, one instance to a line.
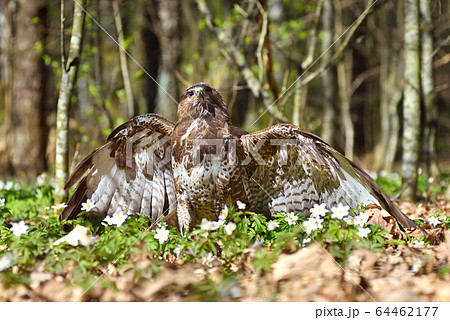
pixel 208 246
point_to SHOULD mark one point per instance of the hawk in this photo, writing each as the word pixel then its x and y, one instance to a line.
pixel 192 169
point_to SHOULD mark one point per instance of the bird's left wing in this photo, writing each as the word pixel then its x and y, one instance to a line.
pixel 132 171
pixel 290 170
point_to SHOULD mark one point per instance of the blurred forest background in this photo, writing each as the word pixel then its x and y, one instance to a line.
pixel 379 93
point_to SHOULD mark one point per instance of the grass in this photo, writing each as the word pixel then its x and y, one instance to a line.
pixel 118 246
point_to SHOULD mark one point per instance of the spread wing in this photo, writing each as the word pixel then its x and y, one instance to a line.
pixel 131 171
pixel 291 170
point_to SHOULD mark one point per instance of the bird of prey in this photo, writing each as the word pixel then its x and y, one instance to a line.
pixel 196 167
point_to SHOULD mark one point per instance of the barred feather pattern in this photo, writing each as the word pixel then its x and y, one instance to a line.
pixel 154 167
pixel 132 172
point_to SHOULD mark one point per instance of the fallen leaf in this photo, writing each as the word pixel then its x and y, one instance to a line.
pixel 80 236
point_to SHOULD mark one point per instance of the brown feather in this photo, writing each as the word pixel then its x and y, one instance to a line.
pixel 280 168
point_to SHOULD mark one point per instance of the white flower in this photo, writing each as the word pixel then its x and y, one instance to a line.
pixel 310 225
pixel 206 224
pixel 363 232
pixel 350 220
pixel 2 184
pixel 223 214
pixel 87 206
pixel 230 227
pixel 340 211
pixel 318 221
pixel 215 225
pixel 40 179
pixel 119 218
pixel 361 219
pixel 318 210
pixel 8 185
pixel 272 225
pixel 2 202
pixel 219 223
pixel 161 224
pixel 240 205
pixel 177 250
pixel 19 228
pixel 162 234
pixel 420 243
pixel 207 260
pixel 60 206
pixel 416 266
pixel 434 221
pixel 5 262
pixel 257 245
pixel 109 221
pixel 291 219
pixel 305 241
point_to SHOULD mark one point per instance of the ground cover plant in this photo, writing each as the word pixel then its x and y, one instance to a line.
pixel 337 254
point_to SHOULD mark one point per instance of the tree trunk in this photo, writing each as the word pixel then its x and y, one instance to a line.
pixel 391 84
pixel 328 76
pixel 394 121
pixel 24 141
pixel 69 74
pixel 391 87
pixel 123 60
pixel 344 75
pixel 411 101
pixel 169 21
pixel 428 91
pixel 151 50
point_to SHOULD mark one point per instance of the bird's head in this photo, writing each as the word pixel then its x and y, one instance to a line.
pixel 202 100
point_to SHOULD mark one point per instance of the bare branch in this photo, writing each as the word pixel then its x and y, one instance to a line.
pixel 340 49
pixel 238 58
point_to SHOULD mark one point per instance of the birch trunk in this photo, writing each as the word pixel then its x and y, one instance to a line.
pixel 428 91
pixel 411 101
pixel 69 74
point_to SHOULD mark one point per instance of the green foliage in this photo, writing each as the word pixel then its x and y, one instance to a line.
pixel 392 185
pixel 211 245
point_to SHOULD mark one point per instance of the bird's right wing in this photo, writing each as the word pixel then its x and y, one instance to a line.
pixel 132 171
pixel 294 169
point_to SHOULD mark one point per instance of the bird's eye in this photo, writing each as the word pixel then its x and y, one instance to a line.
pixel 190 93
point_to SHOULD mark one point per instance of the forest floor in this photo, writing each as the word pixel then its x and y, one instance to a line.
pixel 399 267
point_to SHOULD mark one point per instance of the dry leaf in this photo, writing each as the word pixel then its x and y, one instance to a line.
pixel 80 236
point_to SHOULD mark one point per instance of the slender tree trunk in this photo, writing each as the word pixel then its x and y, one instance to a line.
pixel 397 65
pixel 391 84
pixel 69 74
pixel 386 89
pixel 428 91
pixel 328 76
pixel 123 60
pixel 344 75
pixel 297 114
pixel 344 68
pixel 23 138
pixel 98 66
pixel 411 101
pixel 151 55
pixel 169 22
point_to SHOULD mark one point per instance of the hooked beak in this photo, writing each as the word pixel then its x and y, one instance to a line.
pixel 201 93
